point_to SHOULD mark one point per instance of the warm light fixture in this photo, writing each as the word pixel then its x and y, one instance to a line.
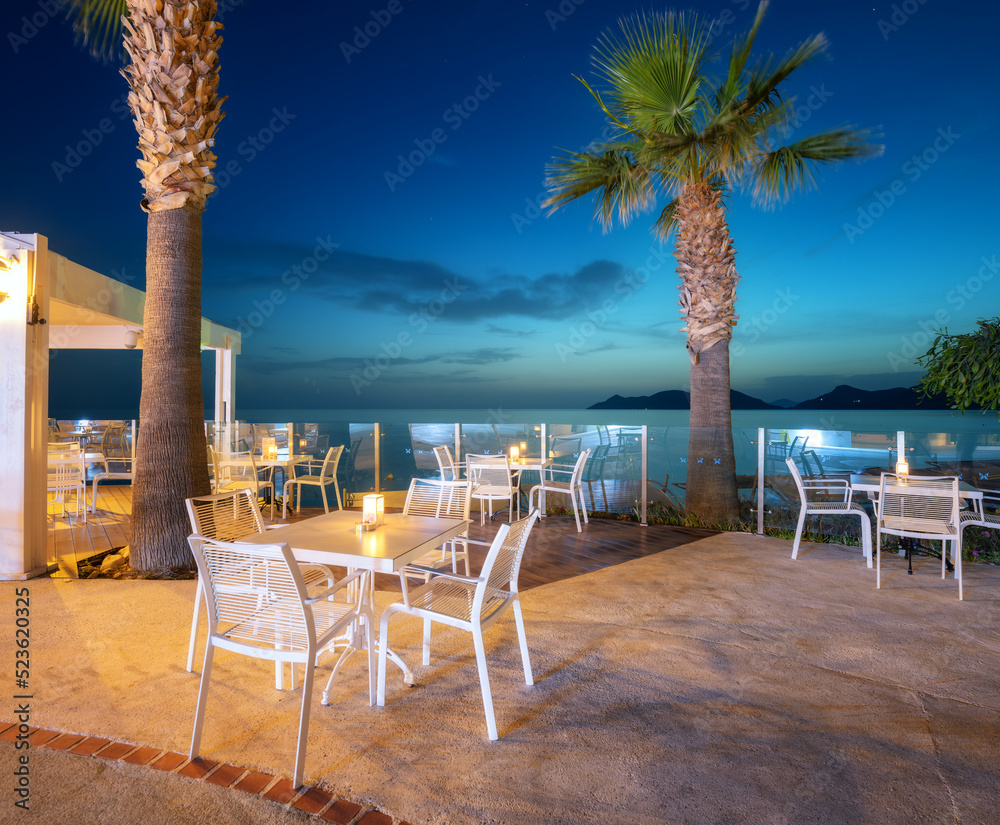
pixel 269 449
pixel 131 338
pixel 902 467
pixel 372 510
pixel 515 453
pixel 6 265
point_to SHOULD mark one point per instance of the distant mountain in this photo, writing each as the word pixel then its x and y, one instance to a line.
pixel 675 400
pixel 844 397
pixel 784 403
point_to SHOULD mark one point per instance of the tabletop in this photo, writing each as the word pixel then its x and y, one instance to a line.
pixel 871 483
pixel 56 457
pixel 333 538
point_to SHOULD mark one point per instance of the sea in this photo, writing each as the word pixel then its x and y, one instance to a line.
pixel 821 441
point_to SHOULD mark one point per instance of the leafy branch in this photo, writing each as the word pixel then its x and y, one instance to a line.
pixel 965 367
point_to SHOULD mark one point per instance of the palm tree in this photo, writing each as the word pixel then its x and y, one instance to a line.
pixel 679 133
pixel 172 73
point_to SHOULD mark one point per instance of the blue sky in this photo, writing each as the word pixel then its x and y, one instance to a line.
pixel 377 234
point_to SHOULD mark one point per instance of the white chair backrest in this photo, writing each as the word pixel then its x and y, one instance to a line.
pixel 329 469
pixel 489 471
pixel 446 464
pixel 920 503
pixel 503 562
pixel 436 498
pixel 578 467
pixel 66 469
pixel 236 468
pixel 797 477
pixel 226 516
pixel 255 592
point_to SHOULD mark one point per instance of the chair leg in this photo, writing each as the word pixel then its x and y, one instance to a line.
pixel 484 681
pixel 194 625
pixel 369 619
pixel 383 653
pixel 522 640
pixel 866 538
pixel 427 641
pixel 300 748
pixel 336 488
pixel 199 714
pixel 583 505
pixel 285 490
pixel 326 504
pixel 957 545
pixel 878 561
pixel 798 532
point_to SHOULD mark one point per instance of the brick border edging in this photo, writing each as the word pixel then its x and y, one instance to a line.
pixel 277 789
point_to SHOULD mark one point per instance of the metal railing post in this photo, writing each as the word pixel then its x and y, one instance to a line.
pixel 378 459
pixel 761 434
pixel 642 479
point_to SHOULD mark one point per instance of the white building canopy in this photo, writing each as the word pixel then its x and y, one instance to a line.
pixel 49 302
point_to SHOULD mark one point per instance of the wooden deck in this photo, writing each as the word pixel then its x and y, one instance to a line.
pixel 556 550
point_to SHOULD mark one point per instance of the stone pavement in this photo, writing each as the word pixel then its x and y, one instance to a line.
pixel 718 682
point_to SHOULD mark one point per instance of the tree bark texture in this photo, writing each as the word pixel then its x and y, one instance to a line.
pixel 711 469
pixel 171 450
pixel 707 268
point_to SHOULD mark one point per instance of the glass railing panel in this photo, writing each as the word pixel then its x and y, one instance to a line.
pixel 666 473
pixel 973 456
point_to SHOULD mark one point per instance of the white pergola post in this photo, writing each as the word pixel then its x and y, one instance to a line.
pixel 24 397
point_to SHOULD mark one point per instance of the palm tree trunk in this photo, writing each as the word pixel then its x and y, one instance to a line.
pixel 711 475
pixel 706 265
pixel 170 448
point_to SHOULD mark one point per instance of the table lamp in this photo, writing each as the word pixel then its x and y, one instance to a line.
pixel 372 511
pixel 515 452
pixel 268 449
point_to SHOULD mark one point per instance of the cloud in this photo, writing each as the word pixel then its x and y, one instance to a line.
pixel 344 365
pixel 241 274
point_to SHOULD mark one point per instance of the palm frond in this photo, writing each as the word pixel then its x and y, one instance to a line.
pixel 97 25
pixel 654 70
pixel 764 79
pixel 624 187
pixel 667 221
pixel 732 86
pixel 780 171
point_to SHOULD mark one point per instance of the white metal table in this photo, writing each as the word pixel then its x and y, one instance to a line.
pixel 871 484
pixel 333 539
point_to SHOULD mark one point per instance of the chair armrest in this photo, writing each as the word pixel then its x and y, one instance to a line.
pixel 308 466
pixel 562 469
pixel 446 574
pixel 338 586
pixel 465 540
pixel 828 485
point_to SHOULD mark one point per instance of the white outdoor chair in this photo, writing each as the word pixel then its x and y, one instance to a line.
pixel 314 473
pixel 468 603
pixel 258 606
pixel 923 508
pixel 117 461
pixel 440 499
pixel 239 471
pixel 233 516
pixel 837 502
pixel 450 471
pixel 67 473
pixel 491 481
pixel 985 513
pixel 564 478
